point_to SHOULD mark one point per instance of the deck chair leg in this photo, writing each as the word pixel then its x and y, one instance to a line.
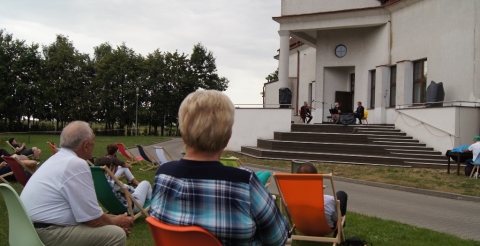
pixel 473 171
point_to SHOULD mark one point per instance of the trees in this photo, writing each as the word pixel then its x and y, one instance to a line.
pixel 57 82
pixel 272 77
pixel 20 69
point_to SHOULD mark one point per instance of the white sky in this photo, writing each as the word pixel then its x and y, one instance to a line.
pixel 240 33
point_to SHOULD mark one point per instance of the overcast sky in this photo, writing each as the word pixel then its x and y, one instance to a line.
pixel 240 33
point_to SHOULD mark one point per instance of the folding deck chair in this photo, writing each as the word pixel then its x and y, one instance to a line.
pixel 14 151
pixel 131 159
pixel 52 148
pixel 108 199
pixel 160 151
pixel 302 196
pixel 231 161
pixel 2 177
pixel 154 162
pixel 166 235
pixel 18 169
pixel 20 229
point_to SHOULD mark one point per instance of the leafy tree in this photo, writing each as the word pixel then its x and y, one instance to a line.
pixel 204 70
pixel 272 77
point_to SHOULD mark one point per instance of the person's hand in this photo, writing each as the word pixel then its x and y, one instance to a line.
pixel 125 222
pixel 129 166
pixel 3 164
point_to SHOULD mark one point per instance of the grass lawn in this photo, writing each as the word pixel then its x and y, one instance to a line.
pixel 374 230
pixel 430 179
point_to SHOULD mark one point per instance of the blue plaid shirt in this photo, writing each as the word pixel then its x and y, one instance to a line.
pixel 237 213
pixel 118 190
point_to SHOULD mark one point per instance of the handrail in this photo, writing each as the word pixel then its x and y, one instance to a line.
pixel 425 123
pixel 449 103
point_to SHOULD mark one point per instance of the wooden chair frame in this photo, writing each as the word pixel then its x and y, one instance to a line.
pixel 131 159
pixel 14 151
pixel 52 148
pixel 321 227
pixel 154 162
pixel 128 196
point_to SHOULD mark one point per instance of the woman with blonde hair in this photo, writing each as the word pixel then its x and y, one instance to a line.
pixel 198 190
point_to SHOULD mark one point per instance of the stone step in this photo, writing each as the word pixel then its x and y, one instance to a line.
pixel 344 138
pixel 339 128
pixel 334 158
pixel 350 148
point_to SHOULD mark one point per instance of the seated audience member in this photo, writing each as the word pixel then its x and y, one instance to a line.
pixel 141 193
pixel 359 112
pixel 330 211
pixel 338 110
pixel 30 165
pixel 198 190
pixel 22 149
pixel 60 198
pixel 475 149
pixel 122 167
pixel 305 113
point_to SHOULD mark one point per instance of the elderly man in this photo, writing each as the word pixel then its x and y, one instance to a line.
pixel 60 198
pixel 198 190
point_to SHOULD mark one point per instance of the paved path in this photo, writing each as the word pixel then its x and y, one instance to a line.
pixel 457 217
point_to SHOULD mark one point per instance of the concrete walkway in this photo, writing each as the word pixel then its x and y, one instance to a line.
pixel 414 207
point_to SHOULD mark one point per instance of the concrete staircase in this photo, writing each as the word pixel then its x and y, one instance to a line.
pixel 354 144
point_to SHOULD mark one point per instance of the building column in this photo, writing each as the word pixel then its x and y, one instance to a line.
pixel 404 83
pixel 382 89
pixel 283 60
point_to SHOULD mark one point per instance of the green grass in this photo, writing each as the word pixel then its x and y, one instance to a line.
pixel 377 231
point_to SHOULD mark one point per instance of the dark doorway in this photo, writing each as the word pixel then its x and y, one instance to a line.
pixel 345 100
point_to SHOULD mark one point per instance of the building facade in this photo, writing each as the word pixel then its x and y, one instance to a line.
pixel 384 53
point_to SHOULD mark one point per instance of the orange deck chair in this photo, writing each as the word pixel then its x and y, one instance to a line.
pixel 302 196
pixel 52 148
pixel 166 235
pixel 131 159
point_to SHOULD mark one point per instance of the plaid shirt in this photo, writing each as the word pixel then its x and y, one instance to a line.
pixel 237 213
pixel 118 190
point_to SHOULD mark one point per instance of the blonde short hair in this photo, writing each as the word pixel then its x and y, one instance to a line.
pixel 206 120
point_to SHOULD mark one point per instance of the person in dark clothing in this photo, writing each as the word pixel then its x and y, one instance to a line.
pixel 359 112
pixel 305 113
pixel 22 149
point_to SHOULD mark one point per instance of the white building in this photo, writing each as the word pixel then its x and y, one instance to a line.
pixel 384 53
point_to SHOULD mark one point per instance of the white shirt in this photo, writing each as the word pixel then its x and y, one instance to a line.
pixel 61 191
pixel 475 148
pixel 330 210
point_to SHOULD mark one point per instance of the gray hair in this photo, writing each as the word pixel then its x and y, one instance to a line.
pixel 74 134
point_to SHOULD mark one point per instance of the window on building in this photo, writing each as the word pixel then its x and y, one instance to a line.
pixel 372 88
pixel 393 85
pixel 419 81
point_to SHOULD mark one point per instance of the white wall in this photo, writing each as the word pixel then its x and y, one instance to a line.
pixel 366 49
pixel 442 128
pixel 443 31
pixel 251 124
pixel 295 7
pixel 271 95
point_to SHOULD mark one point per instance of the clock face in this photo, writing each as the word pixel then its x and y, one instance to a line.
pixel 340 51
